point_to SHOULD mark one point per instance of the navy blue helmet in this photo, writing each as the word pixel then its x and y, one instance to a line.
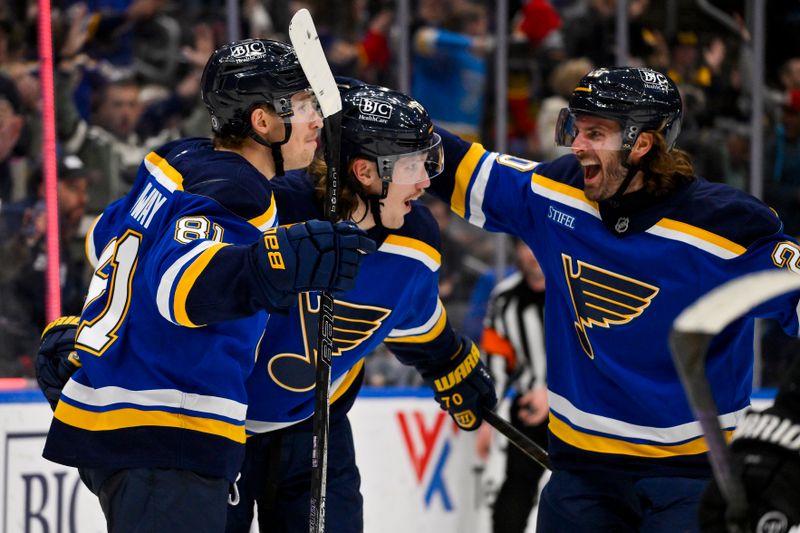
pixel 243 74
pixel 387 126
pixel 640 99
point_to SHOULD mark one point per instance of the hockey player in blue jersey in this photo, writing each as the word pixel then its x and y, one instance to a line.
pixel 627 236
pixel 390 154
pixel 188 266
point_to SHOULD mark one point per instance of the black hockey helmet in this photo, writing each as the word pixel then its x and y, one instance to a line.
pixel 388 126
pixel 640 99
pixel 245 73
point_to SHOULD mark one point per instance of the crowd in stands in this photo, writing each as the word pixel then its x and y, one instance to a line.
pixel 127 75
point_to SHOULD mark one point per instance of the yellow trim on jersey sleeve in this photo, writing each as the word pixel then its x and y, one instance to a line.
pixel 351 376
pixel 702 234
pixel 434 332
pixel 167 170
pixel 596 443
pixel 129 418
pixel 267 215
pixel 90 235
pixel 466 168
pixel 415 244
pixel 186 283
pixel 562 188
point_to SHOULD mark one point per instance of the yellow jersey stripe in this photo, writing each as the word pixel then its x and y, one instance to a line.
pixel 701 234
pixel 466 168
pixel 349 378
pixel 88 243
pixel 562 188
pixel 413 248
pixel 267 219
pixel 164 173
pixel 130 418
pixel 186 282
pixel 598 444
pixel 434 332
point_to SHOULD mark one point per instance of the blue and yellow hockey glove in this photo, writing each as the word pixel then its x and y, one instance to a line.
pixel 57 359
pixel 314 255
pixel 465 388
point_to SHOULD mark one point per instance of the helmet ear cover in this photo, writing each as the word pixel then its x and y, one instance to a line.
pixel 639 99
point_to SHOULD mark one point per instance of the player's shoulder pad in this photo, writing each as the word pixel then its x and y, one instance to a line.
pixel 419 238
pixel 565 169
pixel 225 177
pixel 294 194
pixel 726 211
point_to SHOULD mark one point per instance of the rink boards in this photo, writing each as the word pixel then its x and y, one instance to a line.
pixel 419 473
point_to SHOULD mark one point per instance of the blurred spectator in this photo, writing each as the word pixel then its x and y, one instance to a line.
pixel 562 80
pixel 11 123
pixel 361 50
pixel 22 276
pixel 535 45
pixel 449 68
pixel 592 33
pixel 782 176
pixel 109 142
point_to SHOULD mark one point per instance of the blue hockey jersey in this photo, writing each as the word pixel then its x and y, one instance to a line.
pixel 395 300
pixel 614 287
pixel 162 381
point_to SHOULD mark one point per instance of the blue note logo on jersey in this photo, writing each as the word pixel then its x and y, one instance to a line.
pixel 352 325
pixel 603 298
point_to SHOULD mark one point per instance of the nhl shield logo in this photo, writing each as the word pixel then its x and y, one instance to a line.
pixel 622 225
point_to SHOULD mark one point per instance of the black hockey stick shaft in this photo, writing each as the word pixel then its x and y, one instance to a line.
pixel 689 353
pixel 315 66
pixel 525 445
pixel 321 420
pixel 690 338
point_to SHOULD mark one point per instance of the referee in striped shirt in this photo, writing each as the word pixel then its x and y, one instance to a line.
pixel 513 341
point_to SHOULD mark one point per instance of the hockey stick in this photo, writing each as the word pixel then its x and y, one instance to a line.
pixel 691 334
pixel 515 437
pixel 306 43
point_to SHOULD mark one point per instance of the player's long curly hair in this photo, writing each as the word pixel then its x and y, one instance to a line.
pixel 665 170
pixel 349 189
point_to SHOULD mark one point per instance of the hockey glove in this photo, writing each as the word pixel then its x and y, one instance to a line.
pixel 57 359
pixel 314 255
pixel 766 455
pixel 465 388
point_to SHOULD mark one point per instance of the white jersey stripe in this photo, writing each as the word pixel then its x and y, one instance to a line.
pixel 163 299
pixel 478 191
pixel 424 328
pixel 626 430
pixel 172 398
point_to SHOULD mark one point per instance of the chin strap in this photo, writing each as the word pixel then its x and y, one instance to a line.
pixel 632 170
pixel 373 203
pixel 275 147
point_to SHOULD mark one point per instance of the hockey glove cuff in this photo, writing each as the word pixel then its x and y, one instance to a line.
pixel 57 359
pixel 314 255
pixel 465 388
pixel 766 456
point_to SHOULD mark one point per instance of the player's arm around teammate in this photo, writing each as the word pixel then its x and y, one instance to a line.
pixel 187 266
